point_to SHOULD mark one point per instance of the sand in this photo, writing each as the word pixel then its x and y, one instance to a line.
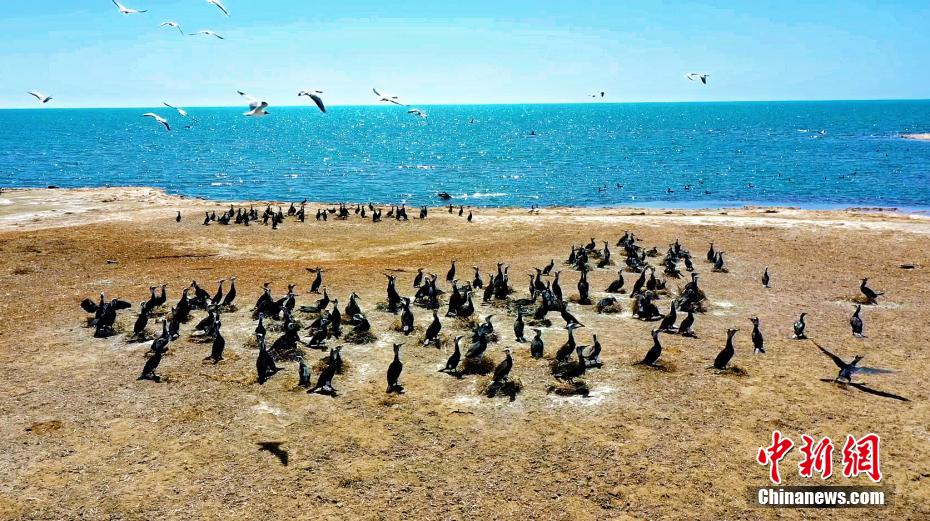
pixel 918 137
pixel 81 438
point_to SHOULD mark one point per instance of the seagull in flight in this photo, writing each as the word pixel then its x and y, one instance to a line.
pixel 602 93
pixel 172 24
pixel 694 76
pixel 157 118
pixel 125 10
pixel 183 113
pixel 418 113
pixel 220 5
pixel 315 96
pixel 207 32
pixel 39 96
pixel 387 98
pixel 256 105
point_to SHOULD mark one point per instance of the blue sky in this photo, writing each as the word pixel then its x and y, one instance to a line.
pixel 86 54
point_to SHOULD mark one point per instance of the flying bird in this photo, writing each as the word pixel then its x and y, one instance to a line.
pixel 418 113
pixel 41 97
pixel 172 24
pixel 157 118
pixel 219 5
pixel 387 98
pixel 125 10
pixel 256 105
pixel 183 113
pixel 207 32
pixel 694 76
pixel 598 94
pixel 315 96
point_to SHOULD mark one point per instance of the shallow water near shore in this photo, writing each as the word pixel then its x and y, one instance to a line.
pixel 686 155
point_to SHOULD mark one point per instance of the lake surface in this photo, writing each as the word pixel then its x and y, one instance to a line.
pixel 810 154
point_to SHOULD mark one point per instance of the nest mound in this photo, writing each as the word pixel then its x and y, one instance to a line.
pixel 579 388
pixel 480 366
pixel 609 309
pixel 509 388
pixel 360 338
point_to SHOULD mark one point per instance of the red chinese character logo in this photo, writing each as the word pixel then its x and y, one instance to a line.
pixel 862 457
pixel 816 457
pixel 774 453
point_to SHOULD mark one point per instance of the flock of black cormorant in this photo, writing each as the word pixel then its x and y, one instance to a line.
pixel 544 296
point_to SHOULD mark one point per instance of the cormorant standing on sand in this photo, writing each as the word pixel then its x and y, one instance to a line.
pixel 668 321
pixel 502 371
pixel 231 296
pixel 219 343
pixel 711 254
pixel 537 346
pixel 727 353
pixel 684 329
pixel 870 294
pixel 178 218
pixel 856 323
pixel 453 362
pixel 765 278
pixel 573 370
pixel 548 268
pixel 393 373
pixel 518 326
pixel 148 371
pixel 432 332
pixel 566 350
pixel 450 275
pixel 418 280
pixel 317 282
pixel 799 327
pixel 758 342
pixel 303 373
pixel 652 356
pixel 617 284
pixel 138 329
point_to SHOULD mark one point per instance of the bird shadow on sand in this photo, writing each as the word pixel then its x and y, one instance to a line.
pixel 274 448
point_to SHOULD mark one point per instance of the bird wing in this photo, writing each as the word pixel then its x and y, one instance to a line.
pixel 316 99
pixel 248 97
pixel 220 6
pixel 89 305
pixel 150 115
pixel 121 304
pixel 876 392
pixel 836 360
pixel 38 95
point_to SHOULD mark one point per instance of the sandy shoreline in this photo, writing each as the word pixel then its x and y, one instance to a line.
pixel 918 137
pixel 82 437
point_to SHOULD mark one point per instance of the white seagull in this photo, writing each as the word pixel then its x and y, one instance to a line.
pixel 315 96
pixel 183 113
pixel 418 113
pixel 172 24
pixel 125 10
pixel 219 5
pixel 41 97
pixel 694 76
pixel 207 32
pixel 387 98
pixel 256 105
pixel 157 118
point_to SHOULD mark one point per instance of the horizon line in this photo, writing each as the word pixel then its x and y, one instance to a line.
pixel 479 104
